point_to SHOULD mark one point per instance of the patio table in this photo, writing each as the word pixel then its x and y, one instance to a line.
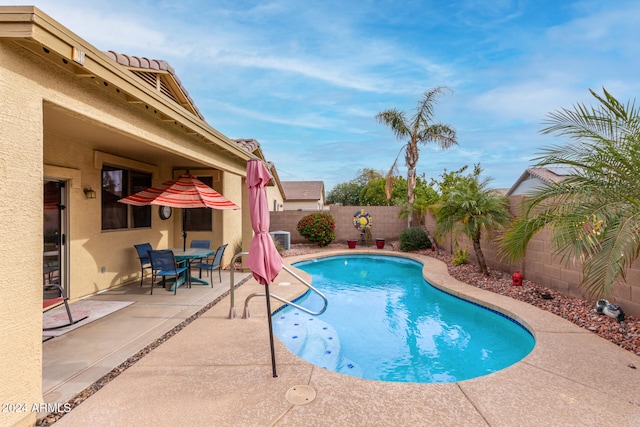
pixel 191 254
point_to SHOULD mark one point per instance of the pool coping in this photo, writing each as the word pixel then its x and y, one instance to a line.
pixel 610 371
pixel 217 371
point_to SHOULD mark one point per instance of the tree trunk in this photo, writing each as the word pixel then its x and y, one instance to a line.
pixel 411 159
pixel 480 255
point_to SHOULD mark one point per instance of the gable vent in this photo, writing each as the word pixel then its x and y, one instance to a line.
pixel 155 81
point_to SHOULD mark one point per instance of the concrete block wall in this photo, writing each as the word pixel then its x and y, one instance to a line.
pixel 540 265
pixel 385 220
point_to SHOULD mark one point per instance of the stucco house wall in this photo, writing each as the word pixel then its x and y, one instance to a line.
pixel 21 200
pixel 303 205
pixel 94 253
pixel 63 121
pixel 276 201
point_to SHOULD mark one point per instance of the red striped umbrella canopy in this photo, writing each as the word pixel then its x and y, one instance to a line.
pixel 185 192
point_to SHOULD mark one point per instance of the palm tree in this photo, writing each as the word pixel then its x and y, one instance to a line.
pixel 594 215
pixel 471 207
pixel 418 129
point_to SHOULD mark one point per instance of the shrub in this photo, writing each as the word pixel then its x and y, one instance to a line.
pixel 414 239
pixel 237 247
pixel 318 228
pixel 279 247
pixel 460 256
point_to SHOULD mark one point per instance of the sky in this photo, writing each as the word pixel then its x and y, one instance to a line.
pixel 307 78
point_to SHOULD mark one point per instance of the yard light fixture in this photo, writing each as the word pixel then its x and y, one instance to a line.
pixel 89 193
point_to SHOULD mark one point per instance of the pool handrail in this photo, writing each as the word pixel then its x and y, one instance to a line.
pixel 232 309
pixel 245 314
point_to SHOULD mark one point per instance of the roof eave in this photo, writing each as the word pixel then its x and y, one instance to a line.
pixel 35 30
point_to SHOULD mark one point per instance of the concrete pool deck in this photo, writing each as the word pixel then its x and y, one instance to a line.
pixel 217 372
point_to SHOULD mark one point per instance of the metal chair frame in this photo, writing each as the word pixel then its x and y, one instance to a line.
pixel 145 263
pixel 51 303
pixel 215 264
pixel 164 264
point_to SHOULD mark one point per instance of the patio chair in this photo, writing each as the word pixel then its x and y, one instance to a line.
pixel 215 264
pixel 200 244
pixel 51 303
pixel 51 272
pixel 205 244
pixel 143 250
pixel 164 264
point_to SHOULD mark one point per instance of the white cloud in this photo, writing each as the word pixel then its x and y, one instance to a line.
pixel 308 78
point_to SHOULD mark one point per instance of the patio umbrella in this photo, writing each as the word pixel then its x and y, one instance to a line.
pixel 263 259
pixel 185 192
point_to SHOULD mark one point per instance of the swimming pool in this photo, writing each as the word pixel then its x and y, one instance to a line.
pixel 385 322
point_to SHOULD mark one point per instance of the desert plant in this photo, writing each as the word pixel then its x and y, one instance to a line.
pixel 317 228
pixel 472 208
pixel 594 214
pixel 237 247
pixel 279 247
pixel 368 238
pixel 460 256
pixel 414 239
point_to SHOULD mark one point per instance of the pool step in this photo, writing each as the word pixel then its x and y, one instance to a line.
pixel 349 367
pixel 310 338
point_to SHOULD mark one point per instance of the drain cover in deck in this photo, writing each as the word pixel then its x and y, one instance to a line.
pixel 301 394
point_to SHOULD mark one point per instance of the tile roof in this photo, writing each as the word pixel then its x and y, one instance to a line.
pixel 548 175
pixel 250 145
pixel 171 87
pixel 303 190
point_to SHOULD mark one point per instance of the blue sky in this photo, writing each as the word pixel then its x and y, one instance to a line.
pixel 306 78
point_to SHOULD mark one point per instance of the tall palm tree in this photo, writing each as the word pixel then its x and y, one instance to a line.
pixel 594 215
pixel 471 207
pixel 418 129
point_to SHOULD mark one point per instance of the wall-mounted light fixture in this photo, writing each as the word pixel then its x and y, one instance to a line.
pixel 89 193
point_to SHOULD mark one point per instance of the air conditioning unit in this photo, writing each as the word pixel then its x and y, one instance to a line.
pixel 282 238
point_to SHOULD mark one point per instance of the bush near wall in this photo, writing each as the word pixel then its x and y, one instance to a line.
pixel 317 228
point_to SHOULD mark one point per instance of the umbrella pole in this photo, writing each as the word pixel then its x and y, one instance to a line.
pixel 184 230
pixel 273 353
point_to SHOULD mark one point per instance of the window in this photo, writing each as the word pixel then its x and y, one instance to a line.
pixel 116 184
pixel 199 219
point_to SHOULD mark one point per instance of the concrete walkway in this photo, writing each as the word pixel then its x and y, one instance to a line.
pixel 77 359
pixel 217 372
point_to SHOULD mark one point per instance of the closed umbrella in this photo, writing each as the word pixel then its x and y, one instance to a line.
pixel 263 259
pixel 185 192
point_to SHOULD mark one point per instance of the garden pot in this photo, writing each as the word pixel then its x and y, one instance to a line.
pixel 380 243
pixel 352 243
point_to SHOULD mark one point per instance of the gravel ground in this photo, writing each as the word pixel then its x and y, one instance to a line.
pixel 625 334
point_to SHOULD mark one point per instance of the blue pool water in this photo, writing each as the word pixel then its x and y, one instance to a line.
pixel 385 322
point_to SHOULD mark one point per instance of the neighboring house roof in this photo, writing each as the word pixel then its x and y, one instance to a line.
pixel 303 190
pixel 159 75
pixel 533 178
